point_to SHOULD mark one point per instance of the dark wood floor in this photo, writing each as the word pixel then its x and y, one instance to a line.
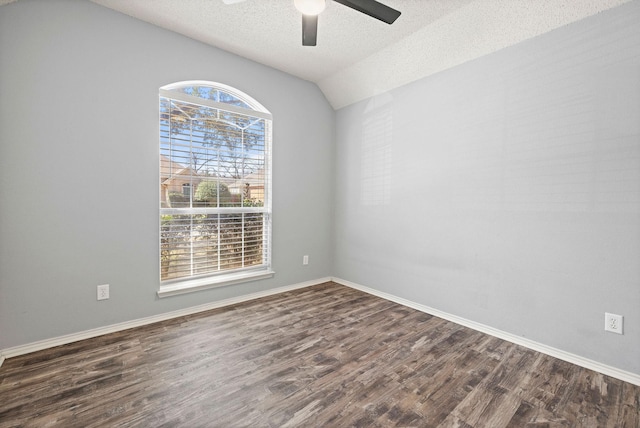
pixel 324 356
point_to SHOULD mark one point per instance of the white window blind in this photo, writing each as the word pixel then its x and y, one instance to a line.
pixel 215 183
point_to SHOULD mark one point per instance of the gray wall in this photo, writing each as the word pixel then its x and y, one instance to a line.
pixel 79 166
pixel 507 190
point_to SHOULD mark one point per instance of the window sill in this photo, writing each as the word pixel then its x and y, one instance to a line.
pixel 191 286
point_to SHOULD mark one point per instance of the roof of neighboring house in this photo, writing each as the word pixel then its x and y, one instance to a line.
pixel 170 170
pixel 255 177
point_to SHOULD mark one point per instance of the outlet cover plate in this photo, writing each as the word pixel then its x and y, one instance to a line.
pixel 103 292
pixel 613 323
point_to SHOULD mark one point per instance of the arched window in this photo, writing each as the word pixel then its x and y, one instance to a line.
pixel 215 142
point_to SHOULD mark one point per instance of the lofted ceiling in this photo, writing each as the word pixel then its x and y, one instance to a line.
pixel 357 56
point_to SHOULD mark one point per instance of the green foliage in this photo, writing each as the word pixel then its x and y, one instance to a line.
pixel 207 193
pixel 178 200
pixel 215 240
pixel 252 202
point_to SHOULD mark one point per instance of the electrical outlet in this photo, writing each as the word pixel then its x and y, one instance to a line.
pixel 305 260
pixel 103 292
pixel 613 322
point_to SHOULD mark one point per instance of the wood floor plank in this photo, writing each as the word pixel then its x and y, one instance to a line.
pixel 326 355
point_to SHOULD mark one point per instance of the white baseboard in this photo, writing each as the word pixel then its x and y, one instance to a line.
pixel 87 334
pixel 548 350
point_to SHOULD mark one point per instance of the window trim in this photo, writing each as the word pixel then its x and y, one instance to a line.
pixel 179 286
pixel 256 107
pixel 205 283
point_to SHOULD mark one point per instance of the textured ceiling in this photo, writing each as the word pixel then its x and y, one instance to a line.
pixel 357 56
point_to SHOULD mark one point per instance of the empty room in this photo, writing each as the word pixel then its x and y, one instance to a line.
pixel 252 213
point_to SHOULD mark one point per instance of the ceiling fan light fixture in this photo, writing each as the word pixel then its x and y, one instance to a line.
pixel 310 7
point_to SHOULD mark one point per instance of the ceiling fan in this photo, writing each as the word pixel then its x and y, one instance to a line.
pixel 310 10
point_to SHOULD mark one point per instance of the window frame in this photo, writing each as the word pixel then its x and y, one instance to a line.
pixel 186 189
pixel 189 284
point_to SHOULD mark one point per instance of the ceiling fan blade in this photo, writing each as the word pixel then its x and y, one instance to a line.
pixel 309 30
pixel 372 8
